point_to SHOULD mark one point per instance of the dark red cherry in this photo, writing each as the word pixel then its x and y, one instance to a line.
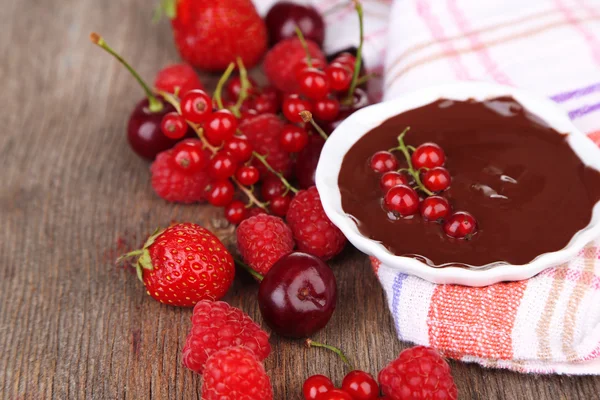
pixel 359 100
pixel 297 296
pixel 284 16
pixel 306 163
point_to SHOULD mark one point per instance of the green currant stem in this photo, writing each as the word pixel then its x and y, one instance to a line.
pixel 167 7
pixel 359 11
pixel 221 83
pixel 249 194
pixel 311 343
pixel 304 45
pixel 155 105
pixel 243 90
pixel 411 170
pixel 245 266
pixel 263 160
pixel 365 78
pixel 307 117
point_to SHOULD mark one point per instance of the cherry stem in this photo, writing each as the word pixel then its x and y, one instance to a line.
pixel 243 89
pixel 311 343
pixel 307 117
pixel 248 192
pixel 304 45
pixel 221 83
pixel 411 170
pixel 155 105
pixel 245 266
pixel 263 160
pixel 359 11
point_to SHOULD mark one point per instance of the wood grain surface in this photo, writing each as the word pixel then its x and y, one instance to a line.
pixel 73 196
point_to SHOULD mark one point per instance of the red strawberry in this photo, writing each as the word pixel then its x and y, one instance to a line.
pixel 314 233
pixel 211 34
pixel 183 265
pixel 263 133
pixel 282 61
pixel 418 373
pixel 235 373
pixel 263 240
pixel 177 76
pixel 217 325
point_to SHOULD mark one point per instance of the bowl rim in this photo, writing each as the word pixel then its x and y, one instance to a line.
pixel 362 121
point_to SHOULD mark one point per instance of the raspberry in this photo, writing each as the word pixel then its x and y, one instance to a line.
pixel 418 373
pixel 263 133
pixel 180 76
pixel 173 183
pixel 314 232
pixel 235 373
pixel 262 240
pixel 215 326
pixel 281 62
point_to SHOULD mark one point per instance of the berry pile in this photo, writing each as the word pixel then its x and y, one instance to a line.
pixel 418 187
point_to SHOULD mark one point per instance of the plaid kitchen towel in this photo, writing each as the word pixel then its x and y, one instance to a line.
pixel 547 324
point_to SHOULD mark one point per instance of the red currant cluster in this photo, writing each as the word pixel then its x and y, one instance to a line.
pixel 357 385
pixel 424 174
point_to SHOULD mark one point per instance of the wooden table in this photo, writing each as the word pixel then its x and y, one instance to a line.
pixel 73 196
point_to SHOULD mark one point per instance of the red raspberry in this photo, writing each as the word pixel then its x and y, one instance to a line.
pixel 173 183
pixel 217 325
pixel 262 240
pixel 418 373
pixel 180 76
pixel 281 62
pixel 235 373
pixel 263 132
pixel 314 232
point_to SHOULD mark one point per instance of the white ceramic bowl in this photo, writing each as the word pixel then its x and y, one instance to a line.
pixel 362 121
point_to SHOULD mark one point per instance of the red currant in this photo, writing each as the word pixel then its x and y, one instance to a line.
pixel 435 208
pixel 313 84
pixel 292 106
pixel 236 212
pixel 189 155
pixel 335 394
pixel 316 385
pixel 437 179
pixel 222 166
pixel 428 155
pixel 326 109
pixel 339 75
pixel 403 200
pixel 391 179
pixel 173 126
pixel 383 161
pixel 264 105
pixel 239 147
pixel 461 225
pixel 346 59
pixel 361 386
pixel 220 126
pixel 234 87
pixel 279 205
pixel 196 106
pixel 247 175
pixel 248 115
pixel 220 193
pixel 293 138
pixel 302 65
pixel 272 187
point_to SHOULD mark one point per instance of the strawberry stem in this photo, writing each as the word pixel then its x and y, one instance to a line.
pixel 221 83
pixel 243 90
pixel 263 160
pixel 311 343
pixel 245 266
pixel 155 105
pixel 304 45
pixel 354 84
pixel 402 147
pixel 307 117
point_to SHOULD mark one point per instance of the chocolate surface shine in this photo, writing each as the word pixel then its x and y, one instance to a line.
pixel 528 190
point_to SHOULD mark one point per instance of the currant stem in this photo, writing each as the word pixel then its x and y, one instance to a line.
pixel 411 170
pixel 307 117
pixel 305 46
pixel 245 266
pixel 155 105
pixel 359 11
pixel 311 343
pixel 263 160
pixel 221 83
pixel 243 90
pixel 249 194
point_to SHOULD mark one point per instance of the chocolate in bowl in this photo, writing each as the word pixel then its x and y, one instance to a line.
pixel 520 178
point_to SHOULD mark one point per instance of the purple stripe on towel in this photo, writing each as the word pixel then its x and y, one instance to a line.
pixel 396 289
pixel 580 112
pixel 573 94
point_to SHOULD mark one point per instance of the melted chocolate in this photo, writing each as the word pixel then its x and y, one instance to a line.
pixel 528 190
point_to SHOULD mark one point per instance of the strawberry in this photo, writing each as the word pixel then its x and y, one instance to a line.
pixel 211 34
pixel 183 265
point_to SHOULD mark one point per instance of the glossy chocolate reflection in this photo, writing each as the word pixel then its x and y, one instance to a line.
pixel 528 190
